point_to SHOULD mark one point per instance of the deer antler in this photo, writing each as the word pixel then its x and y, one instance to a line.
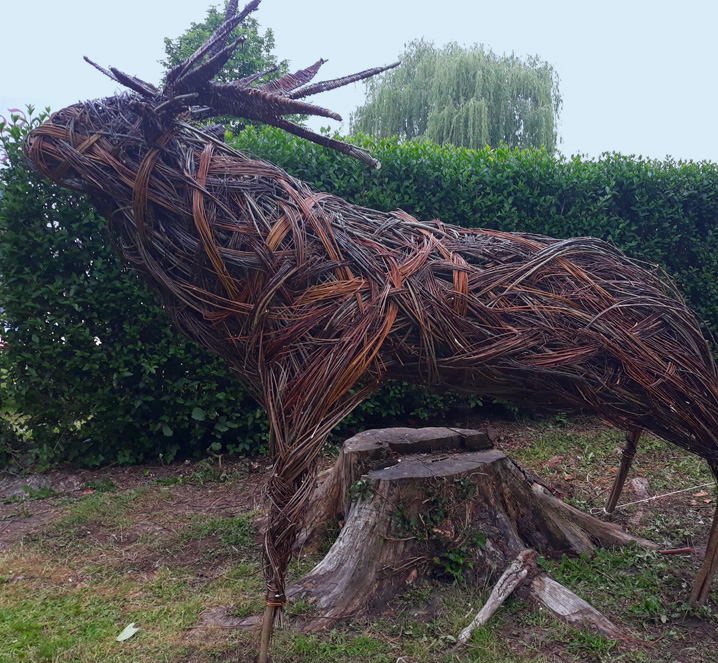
pixel 268 103
pixel 214 45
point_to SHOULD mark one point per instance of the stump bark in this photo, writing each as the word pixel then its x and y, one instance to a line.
pixel 439 502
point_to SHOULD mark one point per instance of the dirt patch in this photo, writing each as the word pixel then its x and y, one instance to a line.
pixel 20 519
pixel 211 620
pixel 174 491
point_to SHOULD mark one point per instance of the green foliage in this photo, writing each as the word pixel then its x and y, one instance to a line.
pixel 397 401
pixel 452 553
pixel 362 489
pixel 454 562
pixel 9 441
pixel 31 494
pixel 469 97
pixel 235 531
pixel 92 364
pixel 341 647
pixel 104 485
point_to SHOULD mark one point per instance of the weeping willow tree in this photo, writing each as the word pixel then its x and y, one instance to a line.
pixel 469 97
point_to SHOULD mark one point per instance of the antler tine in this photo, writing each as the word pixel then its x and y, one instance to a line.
pixel 134 83
pixel 290 82
pixel 221 33
pixel 253 77
pixel 265 103
pixel 208 69
pixel 324 86
pixel 337 145
pixel 255 104
pixel 109 74
pixel 183 67
pixel 228 14
pixel 231 9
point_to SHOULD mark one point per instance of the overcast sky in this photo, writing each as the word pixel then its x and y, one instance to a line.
pixel 636 76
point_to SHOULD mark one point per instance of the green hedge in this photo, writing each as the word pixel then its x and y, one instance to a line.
pixel 95 374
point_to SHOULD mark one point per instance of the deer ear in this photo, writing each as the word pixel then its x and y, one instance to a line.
pixel 109 74
pixel 145 89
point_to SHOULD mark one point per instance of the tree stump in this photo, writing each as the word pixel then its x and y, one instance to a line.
pixel 430 502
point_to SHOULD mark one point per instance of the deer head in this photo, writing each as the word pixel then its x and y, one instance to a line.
pixel 147 112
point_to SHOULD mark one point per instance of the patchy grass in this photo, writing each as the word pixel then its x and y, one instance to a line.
pixel 30 493
pixel 176 551
pixel 235 532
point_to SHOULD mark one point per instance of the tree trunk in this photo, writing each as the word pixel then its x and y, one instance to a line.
pixel 453 506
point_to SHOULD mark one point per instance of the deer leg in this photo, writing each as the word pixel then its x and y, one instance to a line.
pixel 287 493
pixel 627 454
pixel 702 585
pixel 297 433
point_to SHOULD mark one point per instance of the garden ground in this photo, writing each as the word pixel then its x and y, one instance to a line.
pixel 174 550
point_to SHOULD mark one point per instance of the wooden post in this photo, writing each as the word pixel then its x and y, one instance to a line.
pixel 273 612
pixel 267 627
pixel 702 585
pixel 627 455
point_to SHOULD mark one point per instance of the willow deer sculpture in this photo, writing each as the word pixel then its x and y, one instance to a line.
pixel 314 301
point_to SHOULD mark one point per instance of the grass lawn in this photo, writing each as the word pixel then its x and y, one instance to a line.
pixel 174 550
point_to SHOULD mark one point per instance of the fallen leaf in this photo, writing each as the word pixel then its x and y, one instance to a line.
pixel 568 477
pixel 708 501
pixel 694 503
pixel 129 631
pixel 703 493
pixel 553 462
pixel 88 491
